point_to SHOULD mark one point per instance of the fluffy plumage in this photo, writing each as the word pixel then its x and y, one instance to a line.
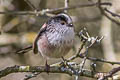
pixel 56 37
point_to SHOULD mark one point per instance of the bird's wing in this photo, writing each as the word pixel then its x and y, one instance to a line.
pixel 35 48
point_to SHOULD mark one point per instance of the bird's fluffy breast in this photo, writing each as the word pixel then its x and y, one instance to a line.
pixel 62 36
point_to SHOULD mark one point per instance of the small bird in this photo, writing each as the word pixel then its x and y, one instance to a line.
pixel 56 37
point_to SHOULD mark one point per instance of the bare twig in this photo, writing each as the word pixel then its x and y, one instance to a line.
pixel 24 50
pixel 66 5
pixel 82 65
pixel 92 41
pixel 100 60
pixel 105 14
pixel 107 43
pixel 30 4
pixel 113 14
pixel 49 11
pixel 109 74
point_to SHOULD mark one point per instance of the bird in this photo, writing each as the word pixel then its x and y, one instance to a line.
pixel 56 37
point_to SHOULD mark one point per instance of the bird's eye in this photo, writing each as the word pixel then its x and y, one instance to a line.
pixel 63 22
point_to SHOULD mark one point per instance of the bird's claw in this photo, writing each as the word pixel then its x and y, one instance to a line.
pixel 47 67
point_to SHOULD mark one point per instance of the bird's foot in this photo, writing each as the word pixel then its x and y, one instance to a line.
pixel 64 63
pixel 47 67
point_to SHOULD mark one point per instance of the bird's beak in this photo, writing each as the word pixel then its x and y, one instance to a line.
pixel 70 25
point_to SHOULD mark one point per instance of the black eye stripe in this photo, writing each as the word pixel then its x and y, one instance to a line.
pixel 63 18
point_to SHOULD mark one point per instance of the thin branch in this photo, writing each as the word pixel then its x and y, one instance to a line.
pixel 113 14
pixel 24 50
pixel 109 74
pixel 82 65
pixel 100 60
pixel 66 5
pixel 30 4
pixel 113 71
pixel 92 41
pixel 49 11
pixel 78 53
pixel 105 14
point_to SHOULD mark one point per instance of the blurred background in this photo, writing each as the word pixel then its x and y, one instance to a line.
pixel 19 31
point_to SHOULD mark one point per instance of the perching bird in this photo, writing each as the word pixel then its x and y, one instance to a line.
pixel 56 37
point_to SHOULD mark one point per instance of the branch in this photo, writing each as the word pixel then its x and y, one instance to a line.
pixel 113 14
pixel 105 14
pixel 30 4
pixel 54 69
pixel 66 5
pixel 104 76
pixel 100 60
pixel 49 11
